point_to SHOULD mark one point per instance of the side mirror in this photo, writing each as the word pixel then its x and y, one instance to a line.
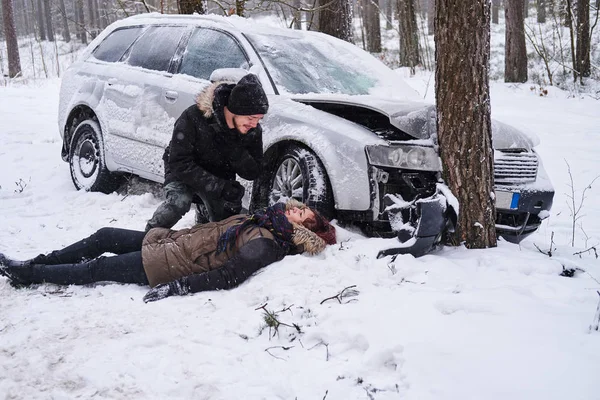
pixel 232 75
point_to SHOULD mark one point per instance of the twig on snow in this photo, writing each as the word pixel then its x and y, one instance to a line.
pixel 322 343
pixel 348 291
pixel 277 347
pixel 593 248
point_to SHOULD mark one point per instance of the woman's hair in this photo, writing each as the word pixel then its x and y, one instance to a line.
pixel 319 224
pixel 321 227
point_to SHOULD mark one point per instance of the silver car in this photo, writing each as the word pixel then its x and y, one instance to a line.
pixel 344 133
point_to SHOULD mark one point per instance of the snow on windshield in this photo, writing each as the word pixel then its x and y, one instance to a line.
pixel 301 64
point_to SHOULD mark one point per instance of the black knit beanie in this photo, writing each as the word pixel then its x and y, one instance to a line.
pixel 248 97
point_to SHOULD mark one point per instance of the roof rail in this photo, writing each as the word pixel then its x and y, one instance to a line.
pixel 210 17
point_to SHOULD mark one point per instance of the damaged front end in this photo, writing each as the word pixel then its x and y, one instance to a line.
pixel 418 224
pixel 410 204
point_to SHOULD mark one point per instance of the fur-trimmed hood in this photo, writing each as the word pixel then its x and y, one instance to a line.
pixel 306 240
pixel 205 100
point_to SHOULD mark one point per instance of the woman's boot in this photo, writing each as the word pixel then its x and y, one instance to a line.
pixel 125 268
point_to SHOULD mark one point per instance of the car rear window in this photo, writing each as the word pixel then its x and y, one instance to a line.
pixel 116 44
pixel 156 47
pixel 209 49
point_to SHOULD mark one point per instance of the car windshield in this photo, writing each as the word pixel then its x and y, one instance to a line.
pixel 318 64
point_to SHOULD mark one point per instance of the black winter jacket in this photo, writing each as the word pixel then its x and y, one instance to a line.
pixel 204 153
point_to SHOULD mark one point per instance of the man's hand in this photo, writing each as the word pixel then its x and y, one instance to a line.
pixel 233 191
pixel 179 287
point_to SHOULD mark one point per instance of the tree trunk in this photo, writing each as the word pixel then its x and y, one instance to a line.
pixel 495 11
pixel 569 19
pixel 336 19
pixel 102 14
pixel 81 21
pixel 10 34
pixel 541 11
pixel 92 27
pixel 566 12
pixel 515 63
pixel 76 19
pixel 94 16
pixel 462 52
pixel 240 7
pixel 40 19
pixel 193 6
pixel 48 15
pixel 430 17
pixel 583 38
pixel 389 14
pixel 65 21
pixel 373 26
pixel 24 17
pixel 525 8
pixel 297 14
pixel 409 35
pixel 312 21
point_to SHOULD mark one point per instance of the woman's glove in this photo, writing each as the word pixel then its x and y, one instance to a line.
pixel 179 287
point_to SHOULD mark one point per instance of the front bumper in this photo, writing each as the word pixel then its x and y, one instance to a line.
pixel 427 220
pixel 516 221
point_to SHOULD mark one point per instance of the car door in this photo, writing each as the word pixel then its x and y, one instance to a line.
pixel 141 127
pixel 115 100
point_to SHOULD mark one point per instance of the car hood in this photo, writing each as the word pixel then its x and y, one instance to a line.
pixel 418 119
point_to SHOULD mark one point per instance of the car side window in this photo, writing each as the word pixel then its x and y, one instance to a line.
pixel 155 48
pixel 209 49
pixel 116 44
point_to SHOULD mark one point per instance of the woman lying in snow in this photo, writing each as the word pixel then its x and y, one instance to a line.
pixel 213 256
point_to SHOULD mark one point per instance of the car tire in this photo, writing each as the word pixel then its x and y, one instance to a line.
pixel 86 160
pixel 299 174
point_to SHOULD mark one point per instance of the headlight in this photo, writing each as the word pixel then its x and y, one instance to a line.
pixel 409 157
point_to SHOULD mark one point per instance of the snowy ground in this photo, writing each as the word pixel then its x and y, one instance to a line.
pixel 456 324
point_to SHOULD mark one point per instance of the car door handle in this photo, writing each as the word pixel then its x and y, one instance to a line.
pixel 171 95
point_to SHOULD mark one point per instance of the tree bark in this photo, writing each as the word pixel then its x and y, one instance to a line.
pixel 10 34
pixel 409 34
pixel 495 11
pixel 515 63
pixel 336 19
pixel 525 8
pixel 194 6
pixel 462 37
pixel 81 21
pixel 372 26
pixel 48 15
pixel 541 11
pixel 65 21
pixel 583 38
pixel 40 19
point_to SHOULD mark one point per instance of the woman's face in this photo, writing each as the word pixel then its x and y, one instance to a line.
pixel 298 215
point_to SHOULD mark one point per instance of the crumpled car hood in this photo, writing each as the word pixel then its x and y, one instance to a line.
pixel 418 118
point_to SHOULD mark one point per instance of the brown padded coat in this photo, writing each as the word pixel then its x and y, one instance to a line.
pixel 168 255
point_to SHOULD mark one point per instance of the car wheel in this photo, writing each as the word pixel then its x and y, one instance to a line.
pixel 299 174
pixel 86 160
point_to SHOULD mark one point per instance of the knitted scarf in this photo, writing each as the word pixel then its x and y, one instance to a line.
pixel 272 218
